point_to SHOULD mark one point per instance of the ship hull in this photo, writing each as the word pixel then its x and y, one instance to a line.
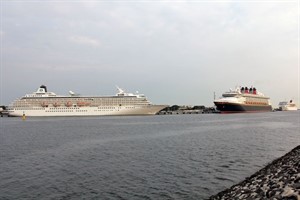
pixel 238 108
pixel 87 111
pixel 288 108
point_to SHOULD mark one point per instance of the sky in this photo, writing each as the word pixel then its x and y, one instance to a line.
pixel 174 52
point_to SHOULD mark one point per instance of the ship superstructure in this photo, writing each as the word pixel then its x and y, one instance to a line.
pixel 44 103
pixel 243 99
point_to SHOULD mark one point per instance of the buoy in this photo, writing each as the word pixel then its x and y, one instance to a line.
pixel 23 116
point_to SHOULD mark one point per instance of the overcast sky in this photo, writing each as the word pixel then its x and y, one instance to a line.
pixel 175 52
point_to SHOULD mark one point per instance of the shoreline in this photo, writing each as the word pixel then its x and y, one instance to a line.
pixel 280 179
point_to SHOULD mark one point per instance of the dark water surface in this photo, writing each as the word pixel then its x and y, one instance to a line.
pixel 155 157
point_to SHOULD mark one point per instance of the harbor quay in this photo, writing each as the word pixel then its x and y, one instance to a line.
pixel 3 111
pixel 278 180
pixel 184 109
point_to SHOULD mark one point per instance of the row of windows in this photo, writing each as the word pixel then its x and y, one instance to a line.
pixel 69 109
pixel 256 100
pixel 75 110
pixel 24 104
pixel 105 110
pixel 256 103
pixel 59 111
pixel 22 108
pixel 74 106
pixel 72 99
pixel 82 99
pixel 63 108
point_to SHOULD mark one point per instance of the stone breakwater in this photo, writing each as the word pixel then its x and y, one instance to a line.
pixel 278 180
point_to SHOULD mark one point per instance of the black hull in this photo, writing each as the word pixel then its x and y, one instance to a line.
pixel 235 108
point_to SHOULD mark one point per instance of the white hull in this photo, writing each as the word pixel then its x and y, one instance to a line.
pixel 287 108
pixel 47 104
pixel 86 111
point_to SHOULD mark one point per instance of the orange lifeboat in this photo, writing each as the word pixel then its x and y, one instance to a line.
pixel 81 103
pixel 69 104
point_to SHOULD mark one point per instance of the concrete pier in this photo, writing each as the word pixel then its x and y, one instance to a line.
pixel 3 113
pixel 278 180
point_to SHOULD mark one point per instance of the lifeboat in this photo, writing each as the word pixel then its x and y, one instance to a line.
pixel 44 104
pixel 56 104
pixel 81 103
pixel 69 104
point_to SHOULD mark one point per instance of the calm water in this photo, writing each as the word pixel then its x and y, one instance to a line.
pixel 155 157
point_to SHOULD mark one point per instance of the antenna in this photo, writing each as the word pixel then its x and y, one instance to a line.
pixel 120 89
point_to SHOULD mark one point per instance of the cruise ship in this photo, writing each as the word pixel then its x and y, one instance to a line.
pixel 44 103
pixel 243 99
pixel 287 106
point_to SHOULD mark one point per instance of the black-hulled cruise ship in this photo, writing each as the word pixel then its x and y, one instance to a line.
pixel 243 99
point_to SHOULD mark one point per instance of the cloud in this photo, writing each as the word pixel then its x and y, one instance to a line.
pixel 83 40
pixel 154 44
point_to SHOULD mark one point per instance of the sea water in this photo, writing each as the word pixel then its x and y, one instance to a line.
pixel 138 157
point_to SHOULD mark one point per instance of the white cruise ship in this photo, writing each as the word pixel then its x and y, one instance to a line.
pixel 44 103
pixel 243 99
pixel 287 106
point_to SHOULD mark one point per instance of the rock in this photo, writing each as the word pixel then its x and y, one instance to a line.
pixel 278 180
pixel 296 186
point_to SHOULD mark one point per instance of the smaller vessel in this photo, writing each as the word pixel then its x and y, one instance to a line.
pixel 287 106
